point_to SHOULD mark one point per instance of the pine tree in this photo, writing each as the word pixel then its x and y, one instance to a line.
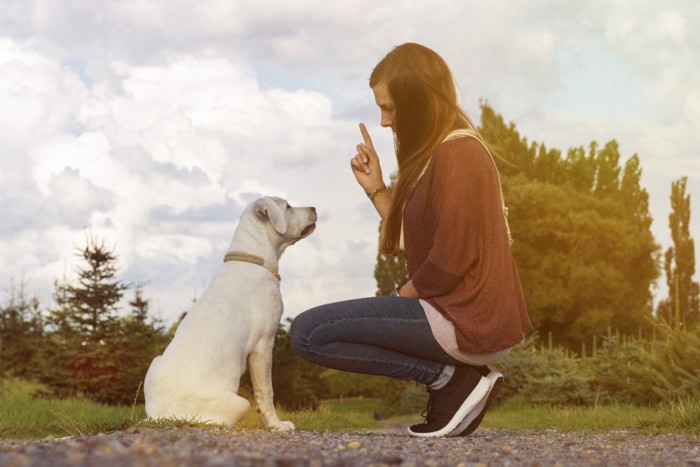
pixel 21 334
pixel 89 308
pixel 682 307
pixel 139 306
pixel 85 338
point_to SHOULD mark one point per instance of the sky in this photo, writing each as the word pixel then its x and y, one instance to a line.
pixel 151 124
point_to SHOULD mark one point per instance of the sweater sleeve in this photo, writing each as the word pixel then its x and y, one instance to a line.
pixel 464 184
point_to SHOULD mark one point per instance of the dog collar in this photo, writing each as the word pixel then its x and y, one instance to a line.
pixel 248 258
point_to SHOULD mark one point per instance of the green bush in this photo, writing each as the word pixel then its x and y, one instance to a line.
pixel 665 369
pixel 642 372
pixel 559 380
pixel 17 387
pixel 522 361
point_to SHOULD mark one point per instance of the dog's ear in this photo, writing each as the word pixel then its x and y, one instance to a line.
pixel 267 209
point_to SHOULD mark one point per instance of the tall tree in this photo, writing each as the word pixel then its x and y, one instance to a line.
pixel 683 301
pixel 641 269
pixel 548 165
pixel 634 197
pixel 513 153
pixel 92 302
pixel 580 169
pixel 85 326
pixel 607 181
pixel 573 252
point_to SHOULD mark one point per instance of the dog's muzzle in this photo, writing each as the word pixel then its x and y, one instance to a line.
pixel 307 230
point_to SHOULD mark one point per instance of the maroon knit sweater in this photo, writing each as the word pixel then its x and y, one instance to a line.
pixel 457 248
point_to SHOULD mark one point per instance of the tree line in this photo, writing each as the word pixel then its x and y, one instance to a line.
pixel 85 346
pixel 82 345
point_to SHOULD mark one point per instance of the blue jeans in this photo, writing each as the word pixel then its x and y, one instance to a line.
pixel 387 336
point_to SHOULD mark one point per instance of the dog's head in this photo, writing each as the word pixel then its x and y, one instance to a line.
pixel 285 224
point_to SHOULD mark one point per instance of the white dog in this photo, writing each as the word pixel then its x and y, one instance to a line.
pixel 232 326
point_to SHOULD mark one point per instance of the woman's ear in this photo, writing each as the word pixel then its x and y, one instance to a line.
pixel 266 209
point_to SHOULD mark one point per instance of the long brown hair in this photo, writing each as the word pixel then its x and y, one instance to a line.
pixel 423 90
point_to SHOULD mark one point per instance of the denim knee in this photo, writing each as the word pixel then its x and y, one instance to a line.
pixel 299 330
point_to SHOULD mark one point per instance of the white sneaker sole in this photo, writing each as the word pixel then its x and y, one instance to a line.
pixel 492 377
pixel 477 396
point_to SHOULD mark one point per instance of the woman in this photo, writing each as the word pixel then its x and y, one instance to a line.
pixel 462 308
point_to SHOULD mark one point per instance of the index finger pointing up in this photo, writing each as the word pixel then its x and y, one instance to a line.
pixel 365 136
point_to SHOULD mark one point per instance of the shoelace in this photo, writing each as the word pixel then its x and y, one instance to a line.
pixel 431 399
pixel 429 408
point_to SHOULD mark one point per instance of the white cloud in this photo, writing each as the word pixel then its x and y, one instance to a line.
pixel 38 95
pixel 152 124
pixel 162 165
pixel 77 197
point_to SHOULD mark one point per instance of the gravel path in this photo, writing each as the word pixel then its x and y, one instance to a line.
pixel 224 447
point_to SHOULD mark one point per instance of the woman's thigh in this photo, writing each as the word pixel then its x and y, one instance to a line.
pixel 394 324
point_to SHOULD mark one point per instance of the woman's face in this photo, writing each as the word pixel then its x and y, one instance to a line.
pixel 386 105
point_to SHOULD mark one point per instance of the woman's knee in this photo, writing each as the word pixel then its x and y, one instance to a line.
pixel 300 329
pixel 304 328
pixel 295 331
pixel 322 324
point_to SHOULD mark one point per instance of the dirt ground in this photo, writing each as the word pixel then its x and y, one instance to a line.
pixel 386 447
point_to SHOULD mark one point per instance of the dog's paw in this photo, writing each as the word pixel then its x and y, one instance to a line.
pixel 282 426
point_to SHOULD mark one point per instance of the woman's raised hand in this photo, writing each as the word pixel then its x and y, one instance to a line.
pixel 365 165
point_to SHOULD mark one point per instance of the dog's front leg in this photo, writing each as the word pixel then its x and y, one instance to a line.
pixel 260 364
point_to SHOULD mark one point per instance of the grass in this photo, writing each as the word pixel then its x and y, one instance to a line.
pixel 676 417
pixel 23 416
pixel 333 415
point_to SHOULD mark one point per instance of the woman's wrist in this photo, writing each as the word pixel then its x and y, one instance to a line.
pixel 371 194
pixel 407 290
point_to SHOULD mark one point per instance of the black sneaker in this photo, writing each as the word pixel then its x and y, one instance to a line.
pixel 472 421
pixel 448 406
